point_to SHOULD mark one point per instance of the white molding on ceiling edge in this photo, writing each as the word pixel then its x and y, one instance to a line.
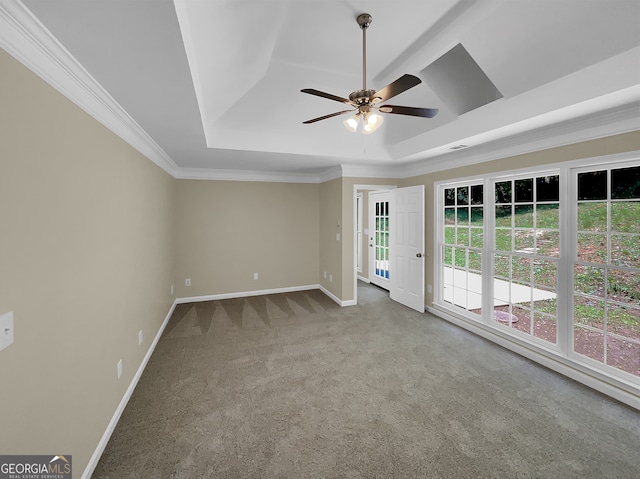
pixel 25 38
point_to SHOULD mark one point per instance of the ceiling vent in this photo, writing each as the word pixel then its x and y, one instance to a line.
pixel 459 81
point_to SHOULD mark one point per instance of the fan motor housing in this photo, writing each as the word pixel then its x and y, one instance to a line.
pixel 362 97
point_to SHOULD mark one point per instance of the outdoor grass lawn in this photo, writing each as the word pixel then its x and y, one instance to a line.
pixel 604 230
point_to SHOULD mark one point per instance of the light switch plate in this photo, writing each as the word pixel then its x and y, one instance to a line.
pixel 6 330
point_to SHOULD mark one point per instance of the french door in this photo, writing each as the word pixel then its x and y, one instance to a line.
pixel 379 209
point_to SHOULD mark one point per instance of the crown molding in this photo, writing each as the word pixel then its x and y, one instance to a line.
pixel 245 175
pixel 25 38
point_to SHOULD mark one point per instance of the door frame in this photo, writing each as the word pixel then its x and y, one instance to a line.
pixel 356 188
pixel 386 196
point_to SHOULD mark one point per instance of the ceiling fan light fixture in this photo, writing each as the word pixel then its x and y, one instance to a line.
pixel 351 123
pixel 371 123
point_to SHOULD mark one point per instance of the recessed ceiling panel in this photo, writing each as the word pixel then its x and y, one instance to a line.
pixel 460 82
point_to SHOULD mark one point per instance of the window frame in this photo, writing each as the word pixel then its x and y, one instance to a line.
pixel 568 204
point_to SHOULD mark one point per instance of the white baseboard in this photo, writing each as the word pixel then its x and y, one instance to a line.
pixel 612 387
pixel 244 294
pixel 363 279
pixel 93 462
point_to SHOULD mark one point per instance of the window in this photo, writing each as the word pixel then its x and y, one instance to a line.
pixel 549 257
pixel 606 268
pixel 525 256
pixel 461 246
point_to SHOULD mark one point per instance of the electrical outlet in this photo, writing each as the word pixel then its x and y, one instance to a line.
pixel 187 282
pixel 330 278
pixel 6 330
pixel 337 236
pixel 119 368
pixel 140 337
pixel 429 289
pixel 171 290
pixel 325 275
pixel 255 275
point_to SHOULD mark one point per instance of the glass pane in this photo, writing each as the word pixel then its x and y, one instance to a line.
pixel 547 216
pixel 475 260
pixel 524 190
pixel 503 239
pixel 476 216
pixel 503 216
pixel 449 196
pixel 524 216
pixel 377 209
pixel 624 286
pixel 449 234
pixel 503 192
pixel 447 255
pixel 501 266
pixel 462 237
pixel 625 183
pixel 521 270
pixel 624 320
pixel 624 355
pixel 502 314
pixel 592 185
pixel 592 248
pixel 625 250
pixel 460 257
pixel 544 327
pixel 546 306
pixel 449 216
pixel 588 312
pixel 523 316
pixel 462 215
pixel 476 195
pixel 588 343
pixel 544 274
pixel 477 237
pixel 548 188
pixel 548 243
pixel 592 217
pixel 463 195
pixel 625 217
pixel 523 241
pixel 589 280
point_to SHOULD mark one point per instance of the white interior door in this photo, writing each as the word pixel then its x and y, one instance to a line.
pixel 379 221
pixel 407 247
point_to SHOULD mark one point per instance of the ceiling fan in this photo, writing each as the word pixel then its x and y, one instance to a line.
pixel 366 101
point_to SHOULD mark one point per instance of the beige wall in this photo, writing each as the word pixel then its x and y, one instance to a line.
pixel 227 230
pixel 331 223
pixel 85 263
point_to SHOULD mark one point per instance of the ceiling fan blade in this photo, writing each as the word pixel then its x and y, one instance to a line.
pixel 322 94
pixel 409 110
pixel 395 88
pixel 328 116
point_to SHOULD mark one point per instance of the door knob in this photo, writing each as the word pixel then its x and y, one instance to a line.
pixel 419 255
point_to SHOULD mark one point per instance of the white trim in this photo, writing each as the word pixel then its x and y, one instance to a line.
pixel 245 175
pixel 97 453
pixel 24 37
pixel 363 279
pixel 616 388
pixel 622 119
pixel 244 294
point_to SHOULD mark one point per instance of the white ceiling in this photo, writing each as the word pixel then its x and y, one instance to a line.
pixel 216 84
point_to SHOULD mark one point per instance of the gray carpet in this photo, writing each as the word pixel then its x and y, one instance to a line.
pixel 293 386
